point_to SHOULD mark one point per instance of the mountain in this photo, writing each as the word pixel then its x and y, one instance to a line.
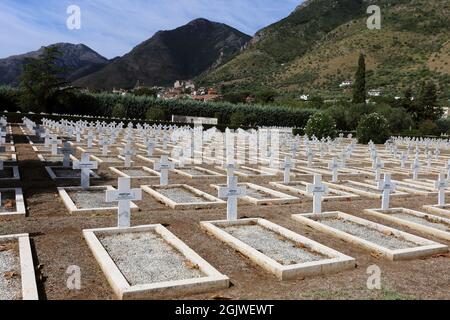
pixel 179 54
pixel 78 59
pixel 317 46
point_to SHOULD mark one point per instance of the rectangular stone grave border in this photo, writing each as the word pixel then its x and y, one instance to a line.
pixel 336 262
pixel 98 158
pixel 42 158
pixel 441 210
pixel 364 193
pixel 208 173
pixel 424 248
pixel 27 275
pixel 20 203
pixel 15 171
pixel 213 201
pixel 52 174
pixel 70 205
pixel 278 197
pixel 414 188
pixel 213 280
pixel 337 194
pixel 152 173
pixel 387 216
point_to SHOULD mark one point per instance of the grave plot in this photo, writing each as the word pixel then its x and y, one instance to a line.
pixel 300 187
pixel 363 189
pixel 88 201
pixel 440 210
pixel 9 173
pixel 279 251
pixel 259 195
pixel 17 278
pixel 425 183
pixel 89 150
pixel 197 172
pixel 149 262
pixel 135 172
pixel 8 158
pixel 106 159
pixel 181 196
pixel 323 170
pixel 57 173
pixel 411 188
pixel 249 172
pixel 381 240
pixel 419 221
pixel 54 159
pixel 12 202
pixel 42 148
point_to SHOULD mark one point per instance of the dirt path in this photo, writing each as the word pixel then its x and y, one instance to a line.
pixel 58 243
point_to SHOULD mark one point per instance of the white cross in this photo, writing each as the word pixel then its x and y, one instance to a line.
pixel 287 166
pixel 2 150
pixel 318 189
pixel 124 195
pixel 85 166
pixel 46 137
pixel 66 150
pixel 415 167
pixel 403 159
pixel 127 152
pixel 386 186
pixel 334 167
pixel 90 138
pixel 54 142
pixel 377 166
pixel 150 146
pixel 441 185
pixel 232 192
pixel 2 136
pixel 164 166
pixel 310 155
pixel 448 170
pixel 429 159
pixel 230 167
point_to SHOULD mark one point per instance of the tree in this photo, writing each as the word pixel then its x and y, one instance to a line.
pixel 321 125
pixel 373 127
pixel 42 84
pixel 237 119
pixel 359 88
pixel 119 111
pixel 427 106
pixel 156 114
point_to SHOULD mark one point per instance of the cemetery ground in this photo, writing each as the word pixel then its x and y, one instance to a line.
pixel 57 240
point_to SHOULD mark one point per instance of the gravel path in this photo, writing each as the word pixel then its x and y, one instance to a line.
pixel 181 195
pixel 10 285
pixel 429 222
pixel 145 258
pixel 87 199
pixel 369 234
pixel 273 245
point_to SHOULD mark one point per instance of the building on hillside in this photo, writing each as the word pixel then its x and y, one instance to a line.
pixel 375 92
pixel 304 97
pixel 345 84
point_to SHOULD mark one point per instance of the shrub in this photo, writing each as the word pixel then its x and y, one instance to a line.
pixel 118 111
pixel 155 113
pixel 321 125
pixel 399 120
pixel 443 125
pixel 237 119
pixel 429 128
pixel 373 127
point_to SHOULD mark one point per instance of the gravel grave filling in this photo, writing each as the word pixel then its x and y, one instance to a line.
pixel 384 239
pixel 258 194
pixel 8 203
pixel 67 173
pixel 195 172
pixel 145 257
pixel 137 173
pixel 90 198
pixel 181 195
pixel 10 281
pixel 274 245
pixel 426 221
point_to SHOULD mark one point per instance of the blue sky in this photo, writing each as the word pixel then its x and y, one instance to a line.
pixel 114 27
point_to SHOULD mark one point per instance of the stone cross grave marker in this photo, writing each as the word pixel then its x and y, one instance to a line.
pixel 54 144
pixel 441 185
pixel 127 152
pixel 232 192
pixel 163 166
pixel 387 187
pixel 447 167
pixel 66 151
pixel 85 166
pixel 415 168
pixel 230 167
pixel 377 166
pixel 403 158
pixel 150 145
pixel 318 190
pixel 124 195
pixel 46 136
pixel 287 166
pixel 334 167
pixel 2 150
